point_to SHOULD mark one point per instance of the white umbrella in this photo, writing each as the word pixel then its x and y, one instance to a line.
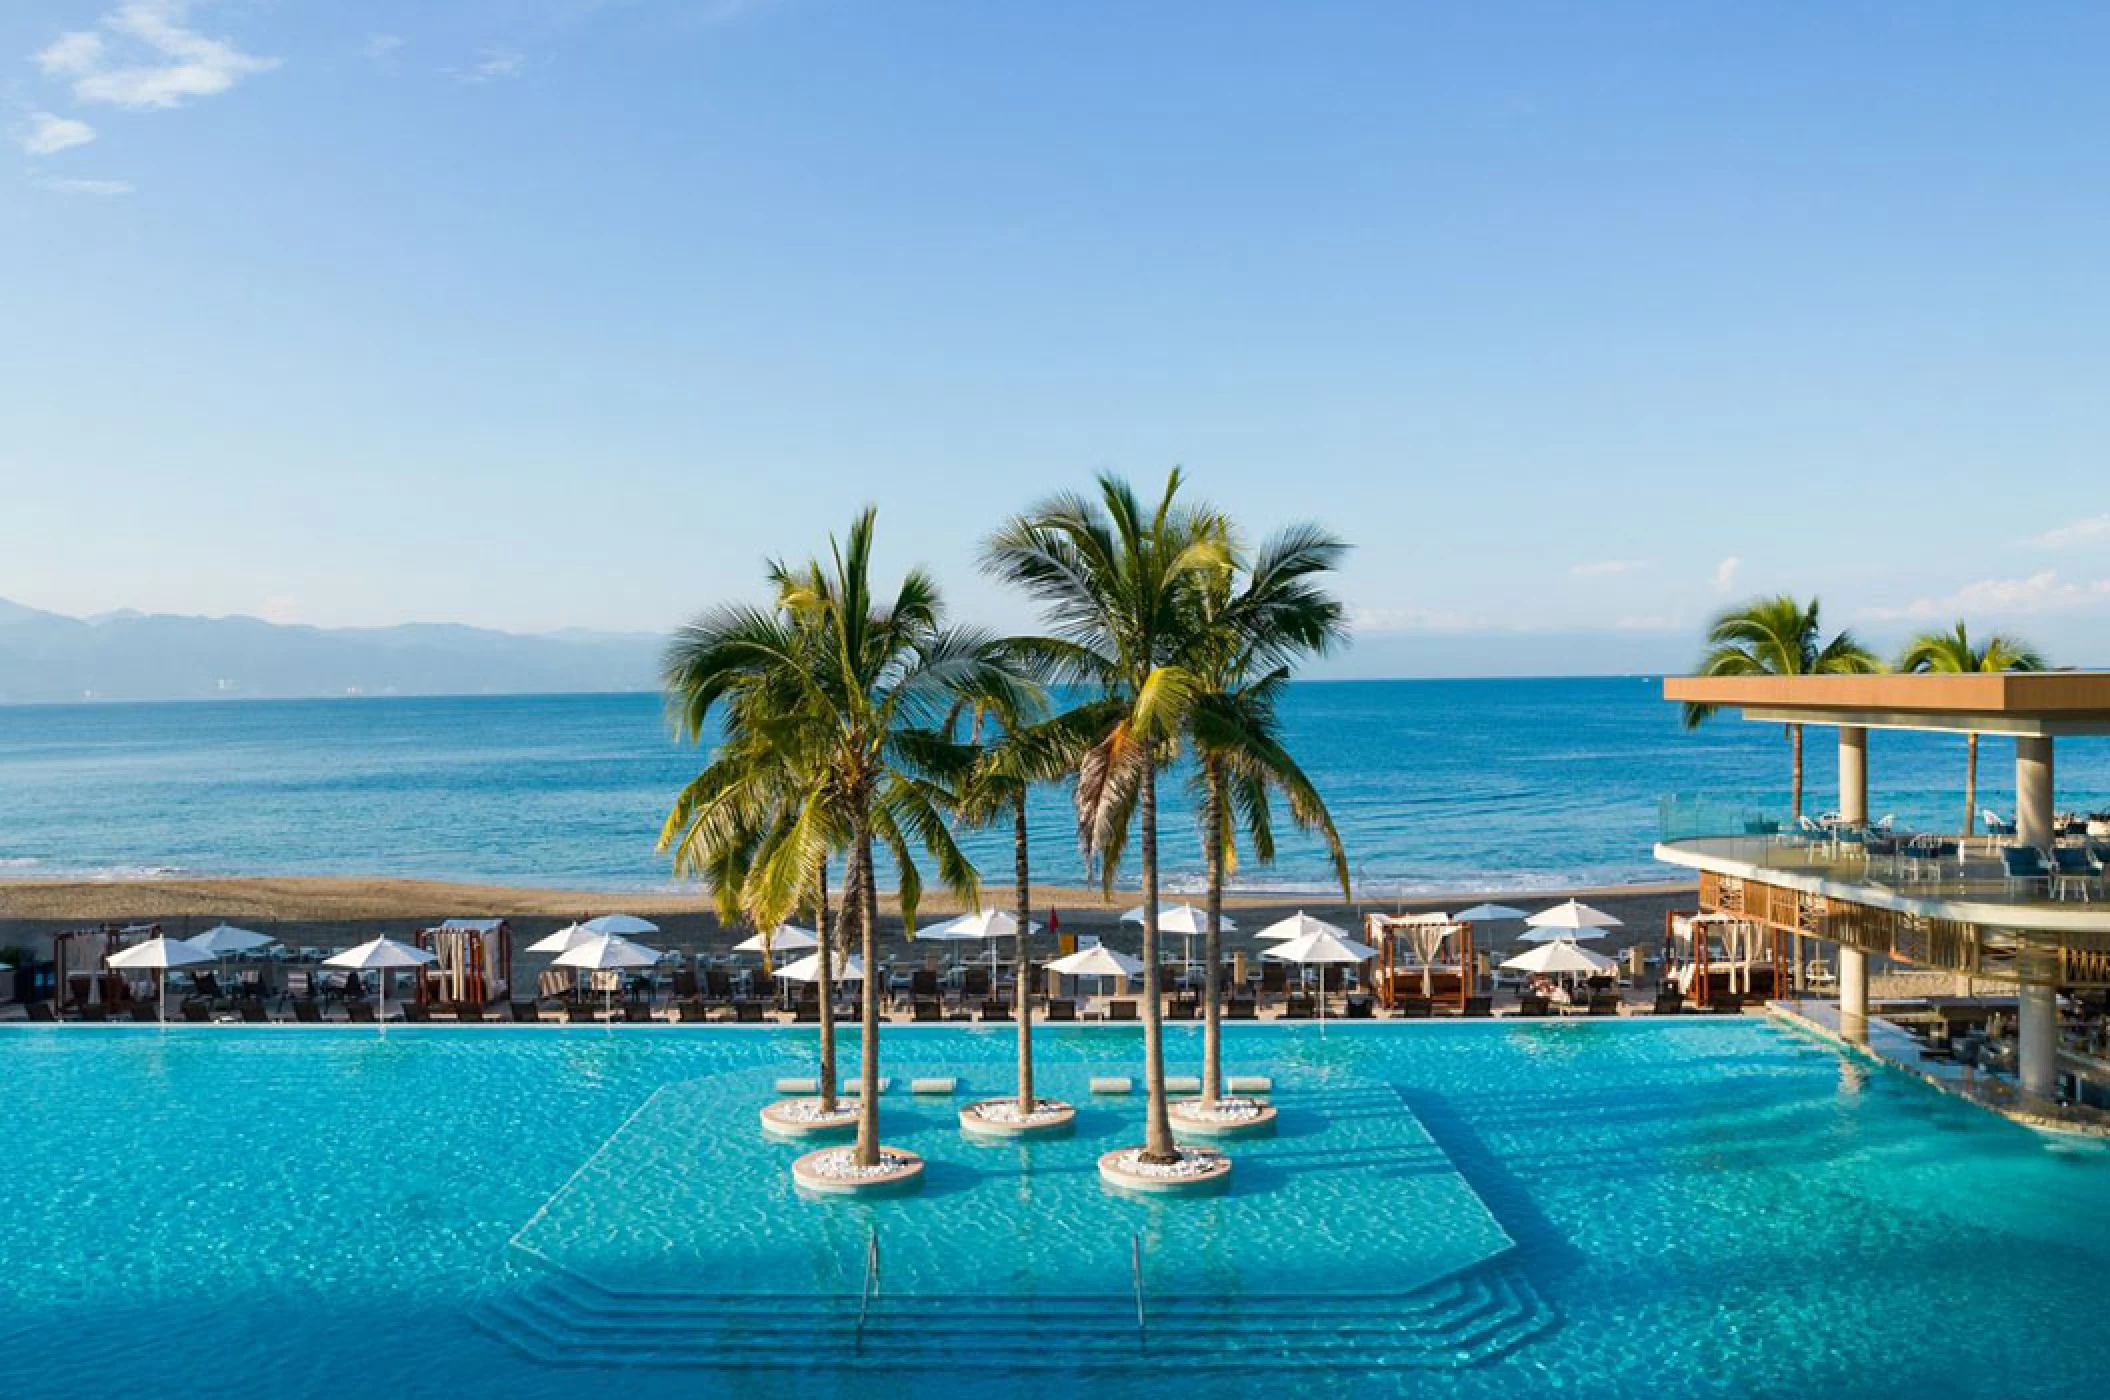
pixel 562 941
pixel 1298 925
pixel 1097 961
pixel 607 952
pixel 1183 919
pixel 808 969
pixel 989 925
pixel 1570 920
pixel 788 938
pixel 1488 914
pixel 624 925
pixel 1561 956
pixel 160 954
pixel 384 955
pixel 222 939
pixel 1324 944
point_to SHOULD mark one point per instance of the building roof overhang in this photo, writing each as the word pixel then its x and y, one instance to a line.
pixel 2035 703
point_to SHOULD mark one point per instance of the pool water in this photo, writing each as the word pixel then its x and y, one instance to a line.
pixel 1593 1209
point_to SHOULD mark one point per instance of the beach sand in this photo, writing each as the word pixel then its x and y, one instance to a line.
pixel 337 911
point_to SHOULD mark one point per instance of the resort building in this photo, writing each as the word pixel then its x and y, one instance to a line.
pixel 2020 906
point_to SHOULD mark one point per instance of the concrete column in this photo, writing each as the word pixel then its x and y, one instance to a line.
pixel 1853 774
pixel 2033 800
pixel 2037 1040
pixel 1853 993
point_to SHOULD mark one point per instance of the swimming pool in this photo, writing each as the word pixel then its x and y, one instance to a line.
pixel 1597 1209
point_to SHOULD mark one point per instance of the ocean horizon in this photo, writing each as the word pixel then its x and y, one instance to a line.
pixel 1436 786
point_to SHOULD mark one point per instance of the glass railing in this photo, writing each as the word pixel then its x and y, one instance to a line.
pixel 1689 816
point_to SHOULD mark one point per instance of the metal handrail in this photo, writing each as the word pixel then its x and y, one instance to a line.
pixel 1135 1274
pixel 871 1287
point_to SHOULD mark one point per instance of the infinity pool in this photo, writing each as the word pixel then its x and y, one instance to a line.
pixel 1593 1209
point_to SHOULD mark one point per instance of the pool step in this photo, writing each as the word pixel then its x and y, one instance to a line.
pixel 561 1319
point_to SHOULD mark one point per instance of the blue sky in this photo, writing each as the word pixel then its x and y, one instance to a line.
pixel 1578 320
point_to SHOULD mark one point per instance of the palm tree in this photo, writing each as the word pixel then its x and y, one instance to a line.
pixel 1778 636
pixel 1954 653
pixel 1252 630
pixel 1118 582
pixel 824 698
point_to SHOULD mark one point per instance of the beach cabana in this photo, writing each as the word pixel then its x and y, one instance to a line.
pixel 472 962
pixel 81 975
pixel 1716 955
pixel 1427 955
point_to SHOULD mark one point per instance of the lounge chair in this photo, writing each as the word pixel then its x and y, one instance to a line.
pixel 1061 1009
pixel 1726 1003
pixel 416 1013
pixel 1241 1009
pixel 361 1012
pixel 1274 979
pixel 1478 1008
pixel 307 1011
pixel 1361 1008
pixel 1604 1004
pixel 197 1013
pixel 1182 1009
pixel 690 1012
pixel 927 1009
pixel 806 1013
pixel 1299 1008
pixel 1416 1007
pixel 525 1013
pixel 1669 1002
pixel 1528 1005
pixel 750 1013
pixel 995 1010
pixel 146 1011
pixel 1121 1011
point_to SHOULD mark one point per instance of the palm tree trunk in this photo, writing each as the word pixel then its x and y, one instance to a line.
pixel 1157 1130
pixel 1970 783
pixel 1212 939
pixel 824 985
pixel 868 1034
pixel 1022 978
pixel 1795 741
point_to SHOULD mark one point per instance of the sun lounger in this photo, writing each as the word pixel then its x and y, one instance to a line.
pixel 1242 1009
pixel 1183 1084
pixel 1249 1084
pixel 1121 1011
pixel 1182 1010
pixel 690 1012
pixel 1062 1009
pixel 526 1013
pixel 197 1013
pixel 416 1013
pixel 1478 1007
pixel 806 1013
pixel 793 1086
pixel 1417 1007
pixel 362 1012
pixel 1604 1004
pixel 636 1013
pixel 43 1011
pixel 1534 1006
pixel 750 1013
pixel 1361 1009
pixel 940 1085
pixel 995 1011
pixel 927 1009
pixel 1669 1002
pixel 308 1011
pixel 1113 1084
pixel 1299 1008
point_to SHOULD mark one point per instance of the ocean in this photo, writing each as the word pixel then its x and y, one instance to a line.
pixel 1436 785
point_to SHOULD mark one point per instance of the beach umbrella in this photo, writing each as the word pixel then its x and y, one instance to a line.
pixel 1571 920
pixel 989 926
pixel 562 941
pixel 1298 925
pixel 1320 946
pixel 1487 914
pixel 622 925
pixel 848 968
pixel 160 954
pixel 1098 960
pixel 223 939
pixel 1183 919
pixel 383 955
pixel 606 952
pixel 787 938
pixel 1561 956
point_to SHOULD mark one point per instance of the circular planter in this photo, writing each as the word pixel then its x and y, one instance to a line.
pixel 827 1172
pixel 796 1118
pixel 1229 1118
pixel 1201 1171
pixel 1050 1116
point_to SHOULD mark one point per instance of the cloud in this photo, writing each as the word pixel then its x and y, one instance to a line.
pixel 103 189
pixel 2040 593
pixel 143 57
pixel 1608 568
pixel 381 46
pixel 47 135
pixel 495 64
pixel 2094 530
pixel 1725 574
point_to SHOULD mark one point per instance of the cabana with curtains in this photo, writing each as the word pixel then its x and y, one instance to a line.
pixel 81 973
pixel 472 962
pixel 1714 955
pixel 1421 955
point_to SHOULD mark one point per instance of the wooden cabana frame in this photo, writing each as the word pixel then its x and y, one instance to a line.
pixel 1741 969
pixel 1420 957
pixel 83 952
pixel 473 962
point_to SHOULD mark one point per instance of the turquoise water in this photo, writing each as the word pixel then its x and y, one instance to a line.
pixel 1443 785
pixel 1701 1208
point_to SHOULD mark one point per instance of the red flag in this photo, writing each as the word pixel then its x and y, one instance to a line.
pixel 1054 920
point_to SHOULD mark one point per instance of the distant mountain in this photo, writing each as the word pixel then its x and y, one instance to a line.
pixel 127 655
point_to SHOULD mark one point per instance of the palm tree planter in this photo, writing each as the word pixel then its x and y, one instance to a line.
pixel 808 1117
pixel 1001 1118
pixel 835 1171
pixel 1194 1171
pixel 1224 1117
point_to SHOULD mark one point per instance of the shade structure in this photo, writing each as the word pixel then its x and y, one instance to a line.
pixel 1487 914
pixel 1573 917
pixel 1097 961
pixel 562 941
pixel 384 955
pixel 1321 945
pixel 1298 925
pixel 785 938
pixel 1181 919
pixel 850 968
pixel 623 925
pixel 1561 955
pixel 989 923
pixel 606 952
pixel 222 939
pixel 160 954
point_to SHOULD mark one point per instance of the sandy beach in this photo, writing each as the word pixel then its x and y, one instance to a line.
pixel 337 911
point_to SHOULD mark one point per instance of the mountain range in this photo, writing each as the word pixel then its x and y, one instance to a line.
pixel 51 658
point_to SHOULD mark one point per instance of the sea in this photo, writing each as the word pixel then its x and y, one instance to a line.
pixel 1435 786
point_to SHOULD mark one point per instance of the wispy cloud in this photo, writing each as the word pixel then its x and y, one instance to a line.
pixel 2044 592
pixel 380 47
pixel 2094 530
pixel 143 56
pixel 495 64
pixel 1607 568
pixel 47 135
pixel 100 189
pixel 1725 574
